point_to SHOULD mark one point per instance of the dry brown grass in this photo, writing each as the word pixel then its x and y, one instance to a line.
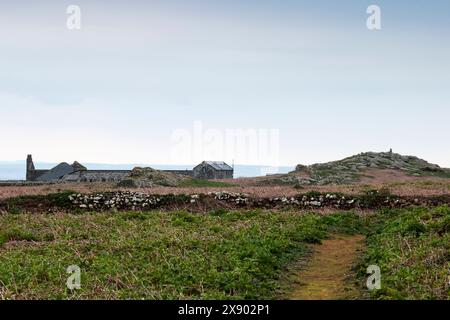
pixel 14 191
pixel 399 185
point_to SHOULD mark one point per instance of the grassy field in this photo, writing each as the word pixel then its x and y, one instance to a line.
pixel 151 255
pixel 412 248
pixel 198 183
pixel 219 255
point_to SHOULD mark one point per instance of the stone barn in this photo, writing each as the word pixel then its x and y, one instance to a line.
pixel 78 173
pixel 211 170
pixel 73 173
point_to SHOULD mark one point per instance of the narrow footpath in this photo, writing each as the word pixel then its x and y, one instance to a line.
pixel 326 275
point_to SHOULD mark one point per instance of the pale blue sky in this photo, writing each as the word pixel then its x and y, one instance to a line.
pixel 115 91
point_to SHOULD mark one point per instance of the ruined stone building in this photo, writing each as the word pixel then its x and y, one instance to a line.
pixel 207 170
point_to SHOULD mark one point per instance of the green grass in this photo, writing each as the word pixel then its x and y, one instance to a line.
pixel 442 174
pixel 152 255
pixel 219 255
pixel 60 199
pixel 198 183
pixel 412 248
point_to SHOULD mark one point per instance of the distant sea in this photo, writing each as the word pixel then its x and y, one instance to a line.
pixel 15 170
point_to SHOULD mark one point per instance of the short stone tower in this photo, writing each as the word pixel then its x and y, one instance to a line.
pixel 30 168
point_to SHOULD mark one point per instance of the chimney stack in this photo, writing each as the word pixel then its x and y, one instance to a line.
pixel 30 168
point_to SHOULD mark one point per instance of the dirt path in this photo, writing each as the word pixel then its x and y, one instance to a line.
pixel 326 275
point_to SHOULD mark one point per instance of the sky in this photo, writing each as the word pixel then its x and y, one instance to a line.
pixel 257 82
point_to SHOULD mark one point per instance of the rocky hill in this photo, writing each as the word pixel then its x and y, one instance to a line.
pixel 363 165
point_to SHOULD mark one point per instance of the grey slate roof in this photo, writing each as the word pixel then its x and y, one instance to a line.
pixel 219 165
pixel 57 172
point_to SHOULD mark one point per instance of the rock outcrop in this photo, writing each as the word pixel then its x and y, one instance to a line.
pixel 351 169
pixel 149 177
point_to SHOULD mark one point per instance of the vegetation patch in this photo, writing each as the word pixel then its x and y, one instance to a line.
pixel 16 235
pixel 222 254
pixel 32 202
pixel 155 255
pixel 412 248
pixel 198 183
pixel 127 183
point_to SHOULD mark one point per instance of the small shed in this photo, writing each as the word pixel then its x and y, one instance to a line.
pixel 211 170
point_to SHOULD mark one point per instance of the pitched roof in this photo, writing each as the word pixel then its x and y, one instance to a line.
pixel 219 165
pixel 57 172
pixel 78 166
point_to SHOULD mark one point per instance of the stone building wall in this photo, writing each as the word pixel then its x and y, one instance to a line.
pixel 33 175
pixel 97 176
pixel 209 173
